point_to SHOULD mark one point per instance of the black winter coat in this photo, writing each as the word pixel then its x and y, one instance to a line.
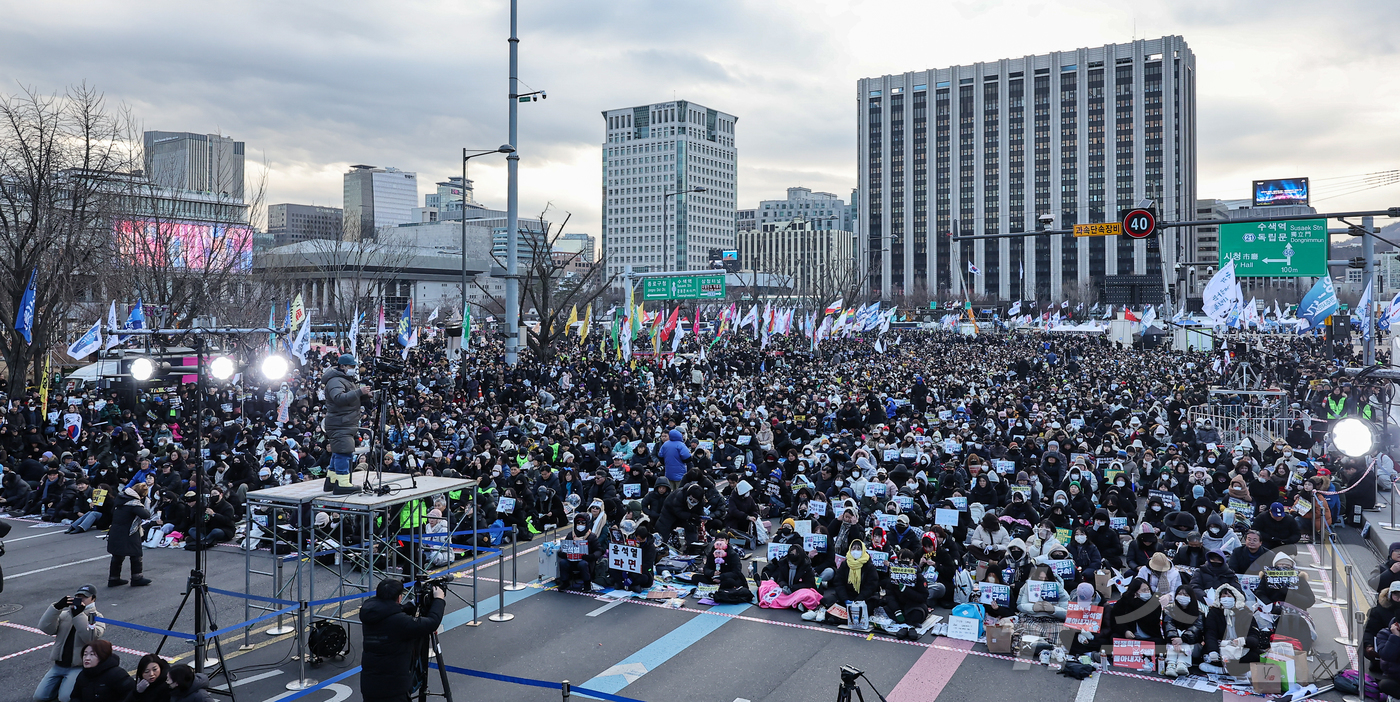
pixel 105 682
pixel 389 632
pixel 124 538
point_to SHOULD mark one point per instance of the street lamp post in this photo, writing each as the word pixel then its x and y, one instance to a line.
pixel 664 233
pixel 467 155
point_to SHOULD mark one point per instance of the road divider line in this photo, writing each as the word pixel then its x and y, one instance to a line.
pixel 56 567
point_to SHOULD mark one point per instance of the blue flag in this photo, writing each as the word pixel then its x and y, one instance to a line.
pixel 137 318
pixel 1318 304
pixel 24 320
pixel 405 326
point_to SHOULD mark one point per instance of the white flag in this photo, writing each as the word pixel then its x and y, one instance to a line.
pixel 354 331
pixel 1363 309
pixel 1015 309
pixel 112 338
pixel 432 316
pixel 1392 313
pixel 303 340
pixel 973 269
pixel 676 338
pixel 88 343
pixel 412 341
pixel 1218 299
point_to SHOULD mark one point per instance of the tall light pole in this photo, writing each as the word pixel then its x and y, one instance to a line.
pixel 513 203
pixel 665 241
pixel 467 155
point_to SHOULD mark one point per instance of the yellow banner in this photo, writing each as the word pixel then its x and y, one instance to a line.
pixel 1099 229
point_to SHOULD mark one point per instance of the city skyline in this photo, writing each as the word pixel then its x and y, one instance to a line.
pixel 321 91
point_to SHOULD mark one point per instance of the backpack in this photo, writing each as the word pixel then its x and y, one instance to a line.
pixel 962 586
pixel 972 610
pixel 1347 682
pixel 1294 623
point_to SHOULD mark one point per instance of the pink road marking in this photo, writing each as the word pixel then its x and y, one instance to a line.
pixel 1232 697
pixel 931 673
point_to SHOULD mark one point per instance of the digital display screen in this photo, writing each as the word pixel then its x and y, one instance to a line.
pixel 1281 191
pixel 191 245
pixel 729 255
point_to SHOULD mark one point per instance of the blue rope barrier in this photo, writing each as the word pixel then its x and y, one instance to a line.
pixel 495 531
pixel 246 596
pixel 147 629
pixel 320 685
pixel 532 683
pixel 346 598
pixel 250 622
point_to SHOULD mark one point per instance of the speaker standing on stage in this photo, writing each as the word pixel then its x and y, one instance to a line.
pixel 342 421
pixel 389 631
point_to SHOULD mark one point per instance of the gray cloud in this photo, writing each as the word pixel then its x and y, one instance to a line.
pixel 1288 87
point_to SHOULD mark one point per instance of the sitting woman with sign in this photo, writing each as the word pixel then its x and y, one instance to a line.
pixel 856 579
pixel 906 594
pixel 1043 593
pixel 1283 582
pixel 789 583
pixel 1084 631
pixel 1137 614
pixel 1230 636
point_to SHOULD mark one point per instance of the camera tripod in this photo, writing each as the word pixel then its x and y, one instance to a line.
pixel 420 668
pixel 850 683
pixel 196 586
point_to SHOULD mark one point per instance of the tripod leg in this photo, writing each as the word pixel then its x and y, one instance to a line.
pixel 183 601
pixel 442 667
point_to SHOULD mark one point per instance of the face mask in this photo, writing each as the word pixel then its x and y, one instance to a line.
pixel 1144 596
pixel 1100 525
pixel 1060 502
pixel 1183 600
pixel 1202 510
pixel 856 553
pixel 1122 483
pixel 1227 602
pixel 580 528
pixel 1080 538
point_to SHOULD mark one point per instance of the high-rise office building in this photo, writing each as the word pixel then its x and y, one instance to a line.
pixel 814 255
pixel 653 156
pixel 206 163
pixel 377 197
pixel 288 223
pixel 585 245
pixel 990 148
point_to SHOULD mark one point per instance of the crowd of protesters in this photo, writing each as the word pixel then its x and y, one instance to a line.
pixel 1024 474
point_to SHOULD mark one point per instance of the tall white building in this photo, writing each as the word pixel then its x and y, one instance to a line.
pixel 989 148
pixel 377 198
pixel 653 155
pixel 822 210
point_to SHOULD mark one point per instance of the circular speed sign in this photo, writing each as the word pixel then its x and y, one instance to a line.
pixel 1139 224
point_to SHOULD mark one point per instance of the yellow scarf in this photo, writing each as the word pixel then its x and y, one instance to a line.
pixel 856 564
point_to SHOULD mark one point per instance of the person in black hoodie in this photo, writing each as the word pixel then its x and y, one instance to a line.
pixel 1141 549
pixel 1137 614
pixel 792 572
pixel 1230 620
pixel 1191 553
pixel 102 679
pixel 576 570
pixel 682 509
pixel 1215 573
pixel 906 603
pixel 1386 610
pixel 654 500
pixel 218 522
pixel 392 636
pixel 1106 539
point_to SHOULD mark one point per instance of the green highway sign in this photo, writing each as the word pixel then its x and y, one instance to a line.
pixel 1275 249
pixel 707 286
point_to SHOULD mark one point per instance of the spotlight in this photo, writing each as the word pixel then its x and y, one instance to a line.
pixel 274 367
pixel 142 369
pixel 1353 437
pixel 221 368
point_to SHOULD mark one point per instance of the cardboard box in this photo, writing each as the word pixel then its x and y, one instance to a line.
pixel 1295 669
pixel 1267 678
pixel 999 638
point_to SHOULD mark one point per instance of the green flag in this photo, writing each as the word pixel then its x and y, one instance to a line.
pixel 466 327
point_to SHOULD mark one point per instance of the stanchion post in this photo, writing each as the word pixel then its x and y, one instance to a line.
pixel 476 555
pixel 1320 563
pixel 280 628
pixel 501 614
pixel 1391 524
pixel 302 682
pixel 515 584
pixel 564 686
pixel 1334 599
pixel 1350 639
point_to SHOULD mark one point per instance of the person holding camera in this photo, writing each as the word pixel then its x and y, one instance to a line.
pixel 342 422
pixel 73 623
pixel 390 627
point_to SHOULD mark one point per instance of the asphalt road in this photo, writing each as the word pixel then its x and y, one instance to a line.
pixel 638 650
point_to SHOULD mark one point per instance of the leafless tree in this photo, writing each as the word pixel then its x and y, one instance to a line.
pixel 1078 293
pixel 552 284
pixel 58 154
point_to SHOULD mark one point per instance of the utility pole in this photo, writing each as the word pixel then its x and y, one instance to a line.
pixel 513 204
pixel 1368 251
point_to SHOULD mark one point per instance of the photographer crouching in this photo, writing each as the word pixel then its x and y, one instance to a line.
pixel 342 422
pixel 393 632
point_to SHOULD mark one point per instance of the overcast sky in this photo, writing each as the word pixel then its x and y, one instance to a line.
pixel 1286 87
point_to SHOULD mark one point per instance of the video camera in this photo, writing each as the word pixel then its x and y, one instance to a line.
pixel 421 591
pixel 385 374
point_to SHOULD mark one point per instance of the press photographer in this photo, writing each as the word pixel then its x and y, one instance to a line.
pixel 392 631
pixel 343 402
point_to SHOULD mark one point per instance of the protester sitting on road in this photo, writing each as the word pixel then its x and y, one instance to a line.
pixel 1183 621
pixel 1245 559
pixel 102 678
pixel 189 686
pixel 1231 638
pixel 152 683
pixel 1386 610
pixel 1387 571
pixel 1137 614
pixel 1277 529
pixel 1290 584
pixel 1043 593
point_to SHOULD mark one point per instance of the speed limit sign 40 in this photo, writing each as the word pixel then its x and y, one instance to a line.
pixel 1139 224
